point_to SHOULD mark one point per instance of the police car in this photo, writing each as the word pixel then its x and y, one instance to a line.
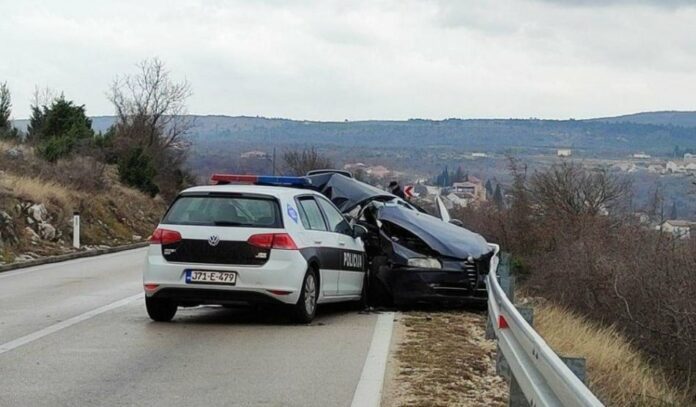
pixel 253 239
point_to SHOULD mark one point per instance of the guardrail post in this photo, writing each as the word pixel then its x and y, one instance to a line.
pixel 507 280
pixel 577 366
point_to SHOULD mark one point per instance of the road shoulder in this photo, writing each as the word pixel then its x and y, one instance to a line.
pixel 442 359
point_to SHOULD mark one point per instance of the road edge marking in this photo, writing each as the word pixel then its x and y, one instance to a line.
pixel 368 393
pixel 26 339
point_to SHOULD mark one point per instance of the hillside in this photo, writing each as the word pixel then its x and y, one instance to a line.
pixel 665 118
pixel 656 133
pixel 37 200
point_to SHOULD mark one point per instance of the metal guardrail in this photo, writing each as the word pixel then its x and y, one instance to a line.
pixel 542 376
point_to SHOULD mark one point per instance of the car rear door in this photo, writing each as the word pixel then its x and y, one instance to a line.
pixel 322 244
pixel 351 252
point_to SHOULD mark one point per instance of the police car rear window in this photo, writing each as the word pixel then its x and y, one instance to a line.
pixel 225 210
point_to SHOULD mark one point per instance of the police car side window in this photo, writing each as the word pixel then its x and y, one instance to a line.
pixel 337 223
pixel 310 215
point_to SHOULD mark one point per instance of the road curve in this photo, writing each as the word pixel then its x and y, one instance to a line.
pixel 76 333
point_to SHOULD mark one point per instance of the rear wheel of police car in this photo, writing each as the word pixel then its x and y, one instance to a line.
pixel 306 306
pixel 160 310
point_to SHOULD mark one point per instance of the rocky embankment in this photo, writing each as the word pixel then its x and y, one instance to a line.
pixel 37 201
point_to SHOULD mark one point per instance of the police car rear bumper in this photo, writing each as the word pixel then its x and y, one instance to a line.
pixel 278 280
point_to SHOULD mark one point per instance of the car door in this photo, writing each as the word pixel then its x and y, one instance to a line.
pixel 323 243
pixel 351 250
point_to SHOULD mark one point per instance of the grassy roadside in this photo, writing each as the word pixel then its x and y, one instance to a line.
pixel 442 359
pixel 618 373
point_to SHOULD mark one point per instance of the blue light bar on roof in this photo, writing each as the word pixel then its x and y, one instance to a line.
pixel 282 181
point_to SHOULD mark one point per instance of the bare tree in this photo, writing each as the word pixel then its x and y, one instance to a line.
pixel 152 123
pixel 570 189
pixel 43 97
pixel 151 107
pixel 299 162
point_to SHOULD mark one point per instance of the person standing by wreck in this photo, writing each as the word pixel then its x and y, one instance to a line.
pixel 395 189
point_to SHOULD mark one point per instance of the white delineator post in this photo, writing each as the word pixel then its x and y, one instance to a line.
pixel 76 230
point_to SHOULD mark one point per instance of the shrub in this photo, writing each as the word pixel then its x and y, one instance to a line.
pixel 135 168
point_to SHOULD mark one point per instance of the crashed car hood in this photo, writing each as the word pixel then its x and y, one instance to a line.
pixel 445 238
pixel 346 193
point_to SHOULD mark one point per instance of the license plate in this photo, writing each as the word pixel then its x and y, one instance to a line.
pixel 211 277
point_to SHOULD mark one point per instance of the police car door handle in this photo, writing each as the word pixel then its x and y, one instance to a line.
pixel 341 244
pixel 317 242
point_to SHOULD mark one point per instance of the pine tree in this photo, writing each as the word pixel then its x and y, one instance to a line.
pixel 498 197
pixel 489 189
pixel 57 129
pixel 673 213
pixel 5 107
pixel 458 175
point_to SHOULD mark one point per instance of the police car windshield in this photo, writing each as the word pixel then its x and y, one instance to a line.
pixel 225 210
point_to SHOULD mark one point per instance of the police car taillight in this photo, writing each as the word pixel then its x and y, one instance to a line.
pixel 165 236
pixel 281 241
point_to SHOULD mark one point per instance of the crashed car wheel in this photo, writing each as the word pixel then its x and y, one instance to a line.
pixel 306 306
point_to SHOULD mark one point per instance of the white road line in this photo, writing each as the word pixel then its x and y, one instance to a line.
pixel 14 344
pixel 29 269
pixel 369 390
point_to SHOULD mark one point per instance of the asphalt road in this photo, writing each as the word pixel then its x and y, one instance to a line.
pixel 66 340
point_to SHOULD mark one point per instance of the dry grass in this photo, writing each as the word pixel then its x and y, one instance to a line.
pixel 443 359
pixel 618 373
pixel 39 191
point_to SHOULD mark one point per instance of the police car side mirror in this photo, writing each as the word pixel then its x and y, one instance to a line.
pixel 359 231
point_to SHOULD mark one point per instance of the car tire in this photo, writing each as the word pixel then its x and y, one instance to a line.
pixel 160 310
pixel 306 307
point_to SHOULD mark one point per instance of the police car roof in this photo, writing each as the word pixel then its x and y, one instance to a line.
pixel 252 189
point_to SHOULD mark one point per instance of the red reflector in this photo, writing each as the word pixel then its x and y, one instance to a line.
pixel 281 241
pixel 164 236
pixel 279 292
pixel 502 323
pixel 227 178
pixel 151 287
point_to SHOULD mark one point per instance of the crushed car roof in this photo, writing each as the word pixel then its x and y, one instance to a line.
pixel 346 193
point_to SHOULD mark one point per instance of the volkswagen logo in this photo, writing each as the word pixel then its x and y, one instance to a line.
pixel 213 240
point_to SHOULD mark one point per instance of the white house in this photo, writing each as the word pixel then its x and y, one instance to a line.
pixel 680 229
pixel 564 152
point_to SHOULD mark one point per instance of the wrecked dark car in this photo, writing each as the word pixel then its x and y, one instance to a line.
pixel 413 257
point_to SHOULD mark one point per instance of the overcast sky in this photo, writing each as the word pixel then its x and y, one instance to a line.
pixel 336 60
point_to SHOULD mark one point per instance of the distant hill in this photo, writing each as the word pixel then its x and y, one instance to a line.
pixel 666 118
pixel 653 133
